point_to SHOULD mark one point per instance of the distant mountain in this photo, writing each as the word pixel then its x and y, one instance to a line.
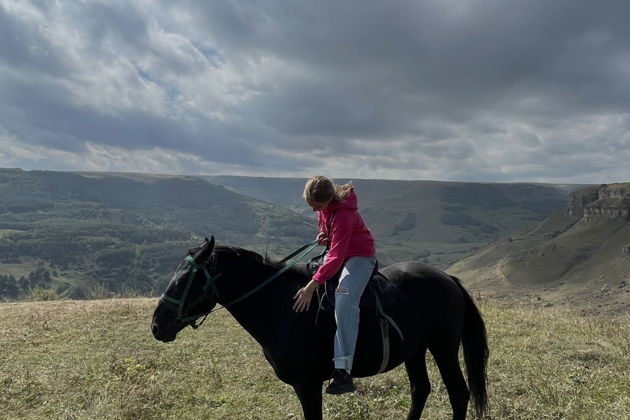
pixel 580 255
pixel 89 234
pixel 117 231
pixel 438 222
pixel 286 192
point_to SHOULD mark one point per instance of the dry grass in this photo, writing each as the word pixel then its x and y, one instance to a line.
pixel 98 360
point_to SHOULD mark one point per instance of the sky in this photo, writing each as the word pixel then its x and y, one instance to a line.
pixel 447 90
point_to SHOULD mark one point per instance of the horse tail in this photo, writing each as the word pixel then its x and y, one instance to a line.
pixel 476 352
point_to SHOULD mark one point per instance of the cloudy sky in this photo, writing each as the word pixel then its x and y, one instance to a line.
pixel 468 90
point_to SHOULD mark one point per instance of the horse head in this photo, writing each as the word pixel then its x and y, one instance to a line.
pixel 190 294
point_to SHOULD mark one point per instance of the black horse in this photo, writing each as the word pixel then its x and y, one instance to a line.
pixel 433 311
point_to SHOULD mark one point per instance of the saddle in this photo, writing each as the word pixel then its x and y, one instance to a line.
pixel 379 292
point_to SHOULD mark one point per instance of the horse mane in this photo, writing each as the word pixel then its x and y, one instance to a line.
pixel 250 255
pixel 265 260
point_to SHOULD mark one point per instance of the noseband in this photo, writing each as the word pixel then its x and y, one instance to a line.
pixel 179 305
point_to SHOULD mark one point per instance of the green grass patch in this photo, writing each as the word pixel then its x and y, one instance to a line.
pixel 98 360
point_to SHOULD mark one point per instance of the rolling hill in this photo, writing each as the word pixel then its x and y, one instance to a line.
pixel 579 256
pixel 87 234
pixel 98 234
pixel 438 222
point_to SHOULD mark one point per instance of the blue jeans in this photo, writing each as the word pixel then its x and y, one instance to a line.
pixel 354 278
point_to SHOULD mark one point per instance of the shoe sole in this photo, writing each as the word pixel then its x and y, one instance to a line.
pixel 340 391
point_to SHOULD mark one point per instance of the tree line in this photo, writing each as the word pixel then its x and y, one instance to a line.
pixel 13 288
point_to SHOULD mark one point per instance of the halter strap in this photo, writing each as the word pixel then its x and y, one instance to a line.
pixel 181 302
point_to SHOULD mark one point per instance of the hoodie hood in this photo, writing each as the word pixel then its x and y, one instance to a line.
pixel 350 202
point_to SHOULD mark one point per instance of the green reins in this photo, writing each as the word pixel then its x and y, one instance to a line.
pixel 298 254
pixel 180 304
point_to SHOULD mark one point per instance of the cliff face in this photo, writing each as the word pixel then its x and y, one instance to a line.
pixel 610 201
pixel 579 256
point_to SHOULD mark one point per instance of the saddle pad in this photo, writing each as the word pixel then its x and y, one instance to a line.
pixel 378 285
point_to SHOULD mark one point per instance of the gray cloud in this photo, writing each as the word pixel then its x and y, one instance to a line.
pixel 486 90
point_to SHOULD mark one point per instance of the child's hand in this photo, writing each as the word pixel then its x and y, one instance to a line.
pixel 304 296
pixel 321 238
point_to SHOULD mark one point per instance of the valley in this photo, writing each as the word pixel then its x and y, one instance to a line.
pixel 97 235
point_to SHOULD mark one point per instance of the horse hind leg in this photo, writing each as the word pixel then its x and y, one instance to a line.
pixel 419 383
pixel 453 378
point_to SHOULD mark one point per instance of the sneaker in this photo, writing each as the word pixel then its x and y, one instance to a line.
pixel 341 383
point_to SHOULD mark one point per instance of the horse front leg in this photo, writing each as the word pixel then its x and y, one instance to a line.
pixel 310 396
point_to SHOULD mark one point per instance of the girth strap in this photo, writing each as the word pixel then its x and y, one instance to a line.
pixel 384 322
pixel 385 338
pixel 388 318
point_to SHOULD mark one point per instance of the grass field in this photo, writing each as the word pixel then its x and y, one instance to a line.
pixel 98 360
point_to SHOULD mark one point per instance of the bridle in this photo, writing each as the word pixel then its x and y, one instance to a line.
pixel 181 308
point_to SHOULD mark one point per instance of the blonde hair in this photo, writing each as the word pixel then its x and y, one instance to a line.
pixel 320 189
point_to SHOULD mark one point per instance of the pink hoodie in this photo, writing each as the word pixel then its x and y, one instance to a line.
pixel 349 237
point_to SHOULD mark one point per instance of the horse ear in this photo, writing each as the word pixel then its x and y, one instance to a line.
pixel 206 249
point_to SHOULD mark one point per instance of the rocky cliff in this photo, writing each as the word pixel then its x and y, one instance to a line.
pixel 580 256
pixel 611 201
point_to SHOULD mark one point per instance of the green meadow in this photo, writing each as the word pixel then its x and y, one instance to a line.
pixel 98 360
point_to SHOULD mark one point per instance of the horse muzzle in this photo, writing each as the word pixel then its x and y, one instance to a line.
pixel 164 326
pixel 164 335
